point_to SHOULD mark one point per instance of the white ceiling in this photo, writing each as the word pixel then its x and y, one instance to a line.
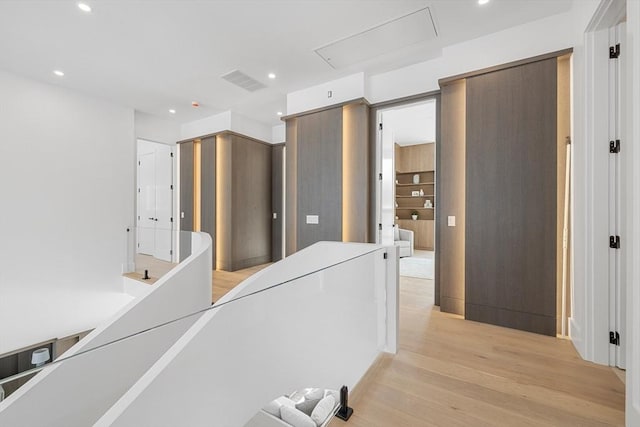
pixel 162 54
pixel 411 125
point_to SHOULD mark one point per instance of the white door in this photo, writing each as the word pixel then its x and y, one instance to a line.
pixel 386 183
pixel 146 203
pixel 617 282
pixel 164 202
pixel 155 201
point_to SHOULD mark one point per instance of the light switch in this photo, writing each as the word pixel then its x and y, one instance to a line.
pixel 181 214
pixel 312 219
pixel 275 215
pixel 451 221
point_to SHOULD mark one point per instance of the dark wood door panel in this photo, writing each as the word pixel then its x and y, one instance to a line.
pixel 510 254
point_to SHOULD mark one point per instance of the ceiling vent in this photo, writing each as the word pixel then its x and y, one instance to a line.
pixel 401 32
pixel 242 80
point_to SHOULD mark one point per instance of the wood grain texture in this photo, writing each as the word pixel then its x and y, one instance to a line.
pixel 208 189
pixel 510 232
pixel 564 130
pixel 250 203
pixel 420 157
pixel 454 372
pixel 438 211
pixel 277 199
pixel 224 195
pixel 355 173
pixel 319 177
pixel 291 183
pixel 186 186
pixel 423 232
pixel 450 247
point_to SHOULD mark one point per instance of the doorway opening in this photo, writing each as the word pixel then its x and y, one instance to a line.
pixel 155 206
pixel 407 192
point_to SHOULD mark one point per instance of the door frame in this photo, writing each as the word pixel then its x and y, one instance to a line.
pixel 375 143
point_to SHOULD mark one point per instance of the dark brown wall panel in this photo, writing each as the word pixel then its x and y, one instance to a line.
pixel 251 202
pixel 186 198
pixel 277 199
pixel 510 259
pixel 319 176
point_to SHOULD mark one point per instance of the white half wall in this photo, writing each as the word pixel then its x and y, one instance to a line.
pixel 67 168
pixel 323 328
pixel 77 391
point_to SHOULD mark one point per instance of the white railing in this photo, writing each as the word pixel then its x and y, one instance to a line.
pixel 318 318
pixel 78 391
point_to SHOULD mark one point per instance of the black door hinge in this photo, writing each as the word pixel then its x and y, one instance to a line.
pixel 170 251
pixel 614 51
pixel 379 226
pixel 380 126
pixel 614 338
pixel 380 176
pixel 614 146
pixel 171 154
pixel 138 244
pixel 138 190
pixel 138 162
pixel 171 219
pixel 385 255
pixel 172 186
pixel 614 242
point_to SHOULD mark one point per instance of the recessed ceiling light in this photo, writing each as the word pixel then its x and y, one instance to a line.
pixel 84 7
pixel 272 76
pixel 172 111
pixel 481 2
pixel 279 113
pixel 195 104
pixel 58 73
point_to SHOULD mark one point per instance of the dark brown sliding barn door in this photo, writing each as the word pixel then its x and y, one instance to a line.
pixel 510 256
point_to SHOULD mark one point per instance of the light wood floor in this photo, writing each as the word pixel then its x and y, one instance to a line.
pixel 453 372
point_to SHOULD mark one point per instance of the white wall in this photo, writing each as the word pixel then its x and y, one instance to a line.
pixel 342 90
pixel 67 165
pixel 535 38
pixel 278 134
pixel 227 120
pixel 323 329
pixel 78 391
pixel 157 129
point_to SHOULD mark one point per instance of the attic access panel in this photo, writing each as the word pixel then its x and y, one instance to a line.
pixel 405 31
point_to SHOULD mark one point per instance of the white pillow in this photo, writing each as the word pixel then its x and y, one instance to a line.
pixel 314 394
pixel 323 409
pixel 273 407
pixel 295 418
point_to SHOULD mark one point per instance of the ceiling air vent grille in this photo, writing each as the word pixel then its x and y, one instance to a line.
pixel 242 80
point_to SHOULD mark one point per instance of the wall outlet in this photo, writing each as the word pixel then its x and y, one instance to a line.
pixel 451 221
pixel 312 219
pixel 275 215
